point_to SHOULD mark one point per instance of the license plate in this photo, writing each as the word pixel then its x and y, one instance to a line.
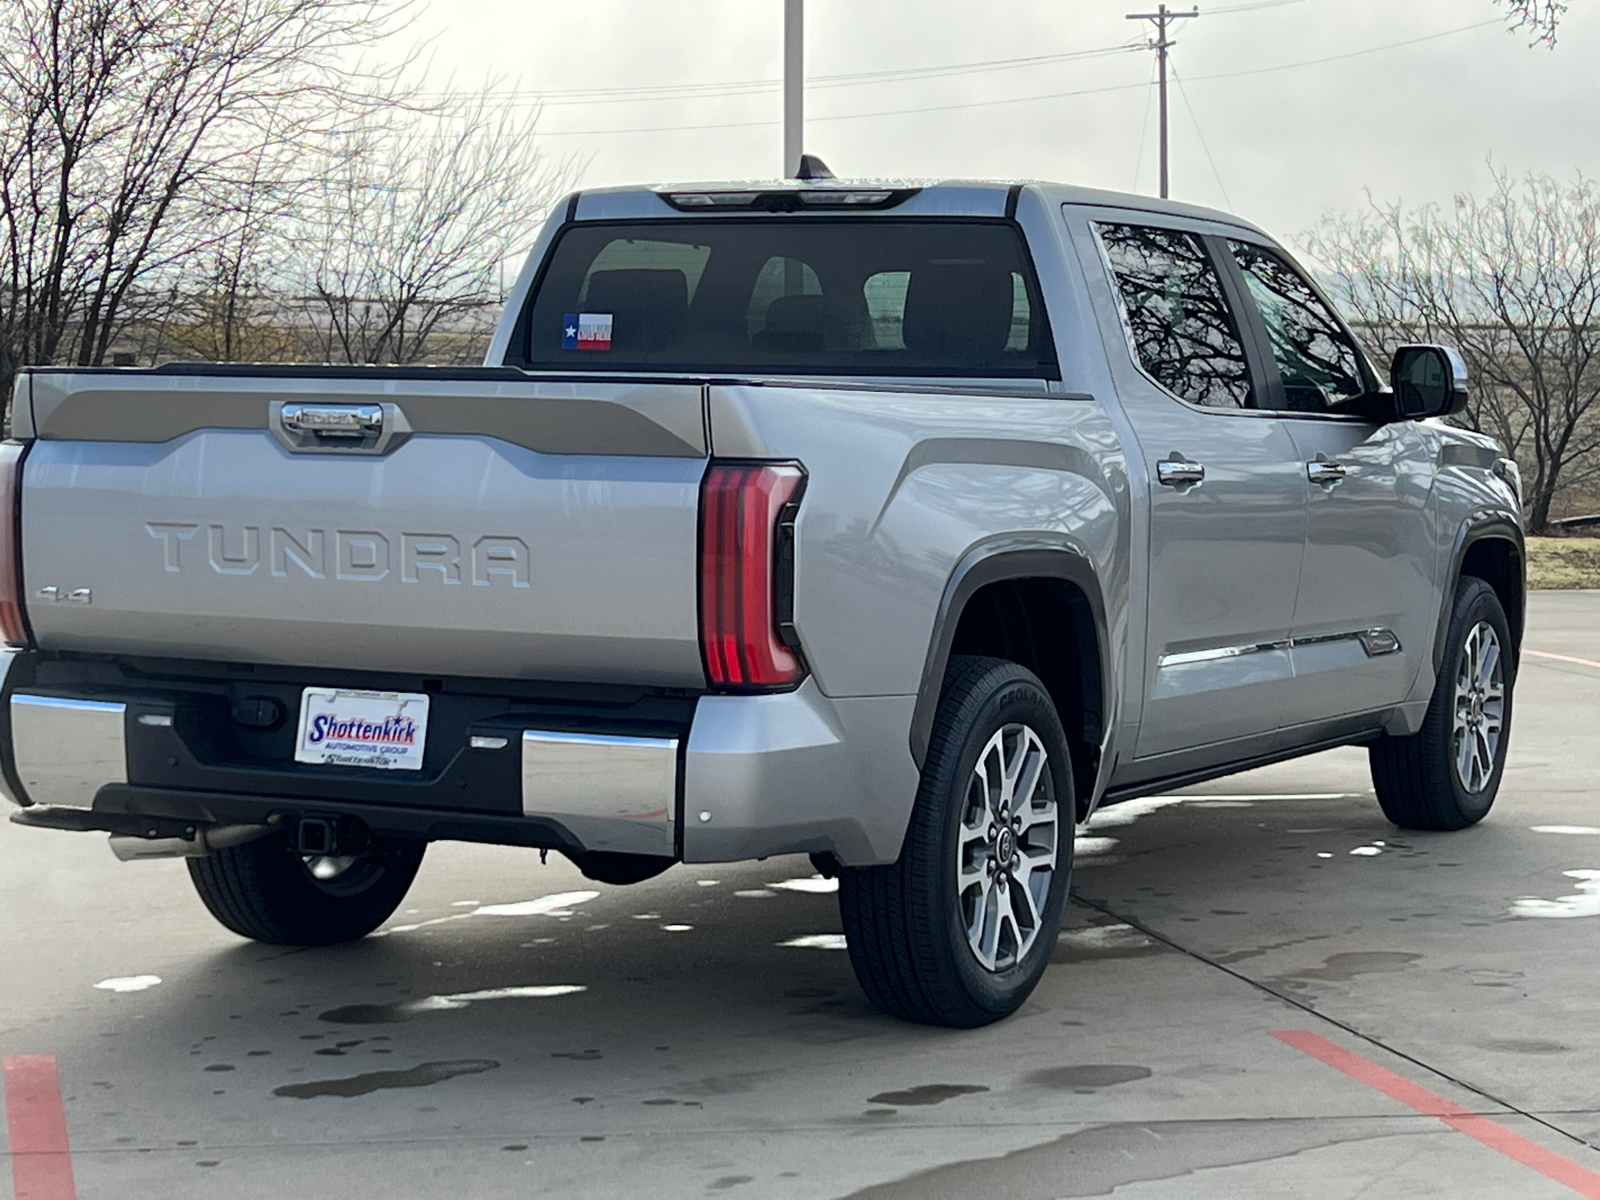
pixel 346 728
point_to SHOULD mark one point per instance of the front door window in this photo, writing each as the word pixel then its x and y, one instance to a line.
pixel 1317 361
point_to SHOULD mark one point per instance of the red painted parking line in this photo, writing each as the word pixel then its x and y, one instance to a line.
pixel 41 1158
pixel 1582 662
pixel 1479 1128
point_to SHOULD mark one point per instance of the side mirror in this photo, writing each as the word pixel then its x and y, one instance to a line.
pixel 1428 381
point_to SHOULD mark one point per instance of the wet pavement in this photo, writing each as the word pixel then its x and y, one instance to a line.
pixel 518 1031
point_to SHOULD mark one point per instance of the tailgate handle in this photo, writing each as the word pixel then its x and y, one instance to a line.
pixel 334 420
pixel 339 428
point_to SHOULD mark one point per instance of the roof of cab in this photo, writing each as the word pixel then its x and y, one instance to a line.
pixel 929 197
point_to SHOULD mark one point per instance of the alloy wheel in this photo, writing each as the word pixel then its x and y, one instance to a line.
pixel 1479 708
pixel 1006 847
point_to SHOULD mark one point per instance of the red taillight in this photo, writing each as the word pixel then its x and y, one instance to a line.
pixel 746 564
pixel 13 623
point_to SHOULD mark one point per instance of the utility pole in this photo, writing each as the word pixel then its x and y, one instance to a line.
pixel 1163 17
pixel 794 66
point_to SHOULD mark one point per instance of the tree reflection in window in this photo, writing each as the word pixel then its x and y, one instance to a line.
pixel 1315 357
pixel 1178 319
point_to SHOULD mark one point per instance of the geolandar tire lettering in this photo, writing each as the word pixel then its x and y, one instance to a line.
pixel 1446 775
pixel 960 929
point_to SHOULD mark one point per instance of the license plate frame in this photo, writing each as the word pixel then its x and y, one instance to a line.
pixel 357 727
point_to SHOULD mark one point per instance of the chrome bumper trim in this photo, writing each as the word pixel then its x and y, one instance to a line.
pixel 67 750
pixel 8 659
pixel 617 794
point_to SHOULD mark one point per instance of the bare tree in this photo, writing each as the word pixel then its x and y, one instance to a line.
pixel 1539 17
pixel 122 125
pixel 412 222
pixel 1512 280
pixel 223 300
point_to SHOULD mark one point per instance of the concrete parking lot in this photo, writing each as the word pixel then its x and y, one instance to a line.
pixel 1264 990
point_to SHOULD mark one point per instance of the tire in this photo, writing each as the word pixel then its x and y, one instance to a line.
pixel 926 948
pixel 1421 780
pixel 262 891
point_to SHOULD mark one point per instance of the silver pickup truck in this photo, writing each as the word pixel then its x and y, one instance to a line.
pixel 898 525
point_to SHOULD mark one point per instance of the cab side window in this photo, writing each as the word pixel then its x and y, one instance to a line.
pixel 1317 361
pixel 1179 325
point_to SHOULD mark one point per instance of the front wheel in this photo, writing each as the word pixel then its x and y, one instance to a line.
pixel 960 929
pixel 1445 775
pixel 264 891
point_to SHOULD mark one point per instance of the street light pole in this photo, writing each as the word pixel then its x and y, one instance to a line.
pixel 794 55
pixel 1163 16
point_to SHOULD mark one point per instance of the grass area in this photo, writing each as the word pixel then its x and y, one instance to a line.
pixel 1563 562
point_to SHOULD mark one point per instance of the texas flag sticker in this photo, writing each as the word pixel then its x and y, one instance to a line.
pixel 586 331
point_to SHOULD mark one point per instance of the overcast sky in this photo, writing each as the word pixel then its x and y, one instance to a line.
pixel 1414 121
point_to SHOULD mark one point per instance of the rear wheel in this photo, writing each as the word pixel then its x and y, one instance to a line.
pixel 264 891
pixel 1445 776
pixel 959 930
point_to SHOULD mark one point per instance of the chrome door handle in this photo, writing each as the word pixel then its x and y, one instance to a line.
pixel 1322 470
pixel 1177 471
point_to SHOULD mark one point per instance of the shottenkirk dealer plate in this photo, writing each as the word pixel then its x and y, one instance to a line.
pixel 345 728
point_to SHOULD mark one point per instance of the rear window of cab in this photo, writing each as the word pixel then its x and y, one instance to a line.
pixel 775 295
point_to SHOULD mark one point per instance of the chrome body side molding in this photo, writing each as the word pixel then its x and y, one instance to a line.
pixel 1376 642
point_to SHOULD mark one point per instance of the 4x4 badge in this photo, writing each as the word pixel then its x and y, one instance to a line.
pixel 75 596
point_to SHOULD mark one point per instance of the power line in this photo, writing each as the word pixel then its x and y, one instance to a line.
pixel 1144 126
pixel 1120 87
pixel 557 97
pixel 1239 8
pixel 1204 145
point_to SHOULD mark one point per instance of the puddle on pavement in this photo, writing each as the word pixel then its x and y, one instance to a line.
pixel 1585 904
pixel 1341 968
pixel 404 1010
pixel 925 1094
pixel 360 1085
pixel 1087 1077
pixel 1527 1046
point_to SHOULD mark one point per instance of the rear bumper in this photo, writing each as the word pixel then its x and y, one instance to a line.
pixel 707 779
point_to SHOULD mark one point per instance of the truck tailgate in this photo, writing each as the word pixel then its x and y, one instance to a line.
pixel 499 526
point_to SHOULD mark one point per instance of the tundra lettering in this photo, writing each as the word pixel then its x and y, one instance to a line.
pixel 363 555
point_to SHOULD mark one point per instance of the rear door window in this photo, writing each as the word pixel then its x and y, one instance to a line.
pixel 1176 314
pixel 785 295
